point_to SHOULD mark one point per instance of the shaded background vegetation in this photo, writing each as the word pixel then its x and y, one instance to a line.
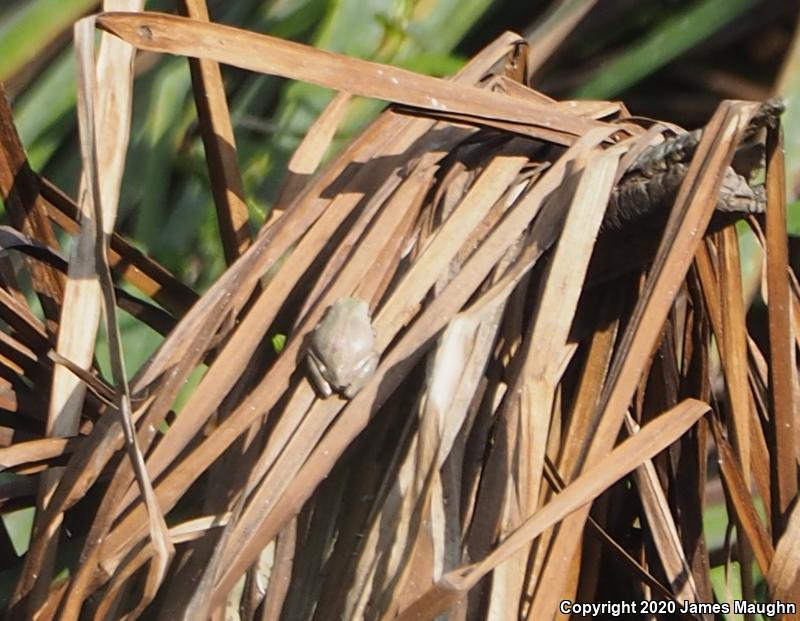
pixel 668 60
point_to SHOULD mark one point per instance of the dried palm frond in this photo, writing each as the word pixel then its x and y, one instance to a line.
pixel 536 347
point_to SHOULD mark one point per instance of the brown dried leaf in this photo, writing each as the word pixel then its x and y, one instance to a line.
pixel 256 52
pixel 647 442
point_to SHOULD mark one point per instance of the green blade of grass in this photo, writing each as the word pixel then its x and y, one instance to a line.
pixel 788 86
pixel 661 45
pixel 33 27
pixel 45 113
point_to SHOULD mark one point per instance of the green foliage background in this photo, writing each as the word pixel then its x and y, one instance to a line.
pixel 166 203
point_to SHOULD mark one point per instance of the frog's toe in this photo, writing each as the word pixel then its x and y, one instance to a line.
pixel 351 391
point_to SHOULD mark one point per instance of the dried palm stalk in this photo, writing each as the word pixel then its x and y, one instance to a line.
pixel 526 324
pixel 650 185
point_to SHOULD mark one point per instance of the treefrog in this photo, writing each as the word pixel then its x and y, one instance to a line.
pixel 341 353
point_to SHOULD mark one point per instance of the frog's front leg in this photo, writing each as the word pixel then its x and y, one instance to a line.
pixel 362 377
pixel 315 374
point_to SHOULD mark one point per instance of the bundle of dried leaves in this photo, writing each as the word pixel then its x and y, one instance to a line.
pixel 552 375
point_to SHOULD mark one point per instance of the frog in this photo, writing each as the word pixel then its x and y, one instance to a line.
pixel 341 353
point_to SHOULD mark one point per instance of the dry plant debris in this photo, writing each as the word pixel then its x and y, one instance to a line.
pixel 532 356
